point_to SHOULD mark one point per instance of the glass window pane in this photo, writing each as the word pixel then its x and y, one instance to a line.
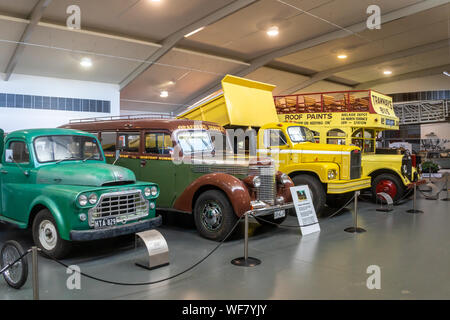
pixel 20 152
pixel 109 141
pixel 129 142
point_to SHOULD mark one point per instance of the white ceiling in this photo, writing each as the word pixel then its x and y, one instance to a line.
pixel 119 35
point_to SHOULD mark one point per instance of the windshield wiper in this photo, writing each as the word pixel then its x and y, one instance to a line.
pixel 65 159
pixel 90 157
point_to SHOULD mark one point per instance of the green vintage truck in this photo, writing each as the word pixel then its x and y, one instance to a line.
pixel 56 182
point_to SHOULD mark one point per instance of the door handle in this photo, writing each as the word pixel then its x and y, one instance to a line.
pixel 3 171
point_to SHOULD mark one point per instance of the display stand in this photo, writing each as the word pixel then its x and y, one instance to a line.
pixel 355 228
pixel 389 202
pixel 246 261
pixel 414 210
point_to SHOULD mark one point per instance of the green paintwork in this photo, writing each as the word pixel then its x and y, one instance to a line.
pixel 57 186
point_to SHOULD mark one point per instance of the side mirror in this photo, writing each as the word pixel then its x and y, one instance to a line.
pixel 117 157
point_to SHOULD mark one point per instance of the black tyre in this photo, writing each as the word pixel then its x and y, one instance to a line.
pixel 338 201
pixel 388 183
pixel 46 236
pixel 317 191
pixel 270 220
pixel 214 216
pixel 17 274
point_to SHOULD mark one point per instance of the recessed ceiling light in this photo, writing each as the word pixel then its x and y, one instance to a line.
pixel 164 94
pixel 447 73
pixel 86 62
pixel 387 72
pixel 194 32
pixel 342 56
pixel 155 0
pixel 273 31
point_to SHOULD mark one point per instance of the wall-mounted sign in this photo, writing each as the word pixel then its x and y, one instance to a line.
pixel 306 214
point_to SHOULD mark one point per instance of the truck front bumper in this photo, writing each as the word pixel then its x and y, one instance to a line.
pixel 344 186
pixel 96 234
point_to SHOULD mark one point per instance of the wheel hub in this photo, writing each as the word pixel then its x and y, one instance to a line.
pixel 387 186
pixel 47 235
pixel 212 215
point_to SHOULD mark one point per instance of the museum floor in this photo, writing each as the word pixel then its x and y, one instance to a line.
pixel 411 250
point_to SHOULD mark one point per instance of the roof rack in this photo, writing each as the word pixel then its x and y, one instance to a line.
pixel 124 117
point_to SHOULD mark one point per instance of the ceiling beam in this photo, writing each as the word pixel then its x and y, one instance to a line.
pixel 370 62
pixel 338 34
pixel 171 41
pixel 405 76
pixel 35 17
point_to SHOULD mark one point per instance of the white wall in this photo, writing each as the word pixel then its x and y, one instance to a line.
pixel 430 83
pixel 440 130
pixel 16 118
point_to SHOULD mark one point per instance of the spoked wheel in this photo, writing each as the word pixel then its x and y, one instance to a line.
pixel 17 274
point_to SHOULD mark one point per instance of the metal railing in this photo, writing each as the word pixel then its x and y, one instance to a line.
pixel 427 111
pixel 124 117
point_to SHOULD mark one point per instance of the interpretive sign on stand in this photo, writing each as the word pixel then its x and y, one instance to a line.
pixel 306 214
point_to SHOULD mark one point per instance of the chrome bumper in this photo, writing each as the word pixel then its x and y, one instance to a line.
pixel 259 212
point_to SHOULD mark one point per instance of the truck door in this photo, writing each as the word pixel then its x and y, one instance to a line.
pixel 15 176
pixel 156 165
pixel 275 143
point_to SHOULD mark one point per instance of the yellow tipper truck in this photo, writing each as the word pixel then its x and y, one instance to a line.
pixel 332 172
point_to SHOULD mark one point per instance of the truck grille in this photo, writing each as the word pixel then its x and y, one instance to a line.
pixel 267 191
pixel 125 205
pixel 355 164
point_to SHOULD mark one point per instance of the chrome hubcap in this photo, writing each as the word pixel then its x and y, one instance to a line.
pixel 11 254
pixel 47 235
pixel 212 215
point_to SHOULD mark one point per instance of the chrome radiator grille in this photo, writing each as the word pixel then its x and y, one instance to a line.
pixel 355 164
pixel 267 191
pixel 125 205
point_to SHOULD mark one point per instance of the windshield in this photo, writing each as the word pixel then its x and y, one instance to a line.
pixel 61 148
pixel 192 141
pixel 300 134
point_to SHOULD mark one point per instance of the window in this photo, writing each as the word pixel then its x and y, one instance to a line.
pixel 129 141
pixel 300 134
pixel 108 140
pixel 158 143
pixel 336 136
pixel 18 154
pixel 364 139
pixel 65 147
pixel 274 138
pixel 192 141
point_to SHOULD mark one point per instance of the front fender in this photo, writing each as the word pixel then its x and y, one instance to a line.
pixel 64 230
pixel 319 168
pixel 234 188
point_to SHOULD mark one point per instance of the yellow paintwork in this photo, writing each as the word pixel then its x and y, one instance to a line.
pixel 249 104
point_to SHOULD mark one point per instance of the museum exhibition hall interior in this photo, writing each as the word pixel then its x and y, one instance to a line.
pixel 209 153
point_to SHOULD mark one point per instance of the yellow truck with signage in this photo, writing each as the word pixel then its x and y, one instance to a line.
pixel 332 172
pixel 353 118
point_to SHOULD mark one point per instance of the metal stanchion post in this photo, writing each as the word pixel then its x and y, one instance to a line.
pixel 34 258
pixel 246 261
pixel 414 210
pixel 355 228
pixel 447 198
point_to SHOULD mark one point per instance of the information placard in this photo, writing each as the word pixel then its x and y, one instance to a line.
pixel 306 214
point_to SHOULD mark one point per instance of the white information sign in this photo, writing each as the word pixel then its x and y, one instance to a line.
pixel 306 214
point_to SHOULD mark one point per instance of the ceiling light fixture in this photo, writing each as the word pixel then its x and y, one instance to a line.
pixel 164 94
pixel 387 72
pixel 342 56
pixel 273 31
pixel 446 73
pixel 86 62
pixel 194 32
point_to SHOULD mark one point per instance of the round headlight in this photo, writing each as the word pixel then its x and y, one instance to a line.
pixel 82 200
pixel 152 205
pixel 256 182
pixel 82 217
pixel 93 198
pixel 284 179
pixel 280 200
pixel 154 191
pixel 331 174
pixel 147 192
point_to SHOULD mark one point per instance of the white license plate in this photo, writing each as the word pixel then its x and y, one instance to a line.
pixel 105 222
pixel 279 214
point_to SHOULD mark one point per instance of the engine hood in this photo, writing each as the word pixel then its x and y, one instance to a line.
pixel 83 174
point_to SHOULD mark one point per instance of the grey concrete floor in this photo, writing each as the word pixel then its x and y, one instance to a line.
pixel 411 250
